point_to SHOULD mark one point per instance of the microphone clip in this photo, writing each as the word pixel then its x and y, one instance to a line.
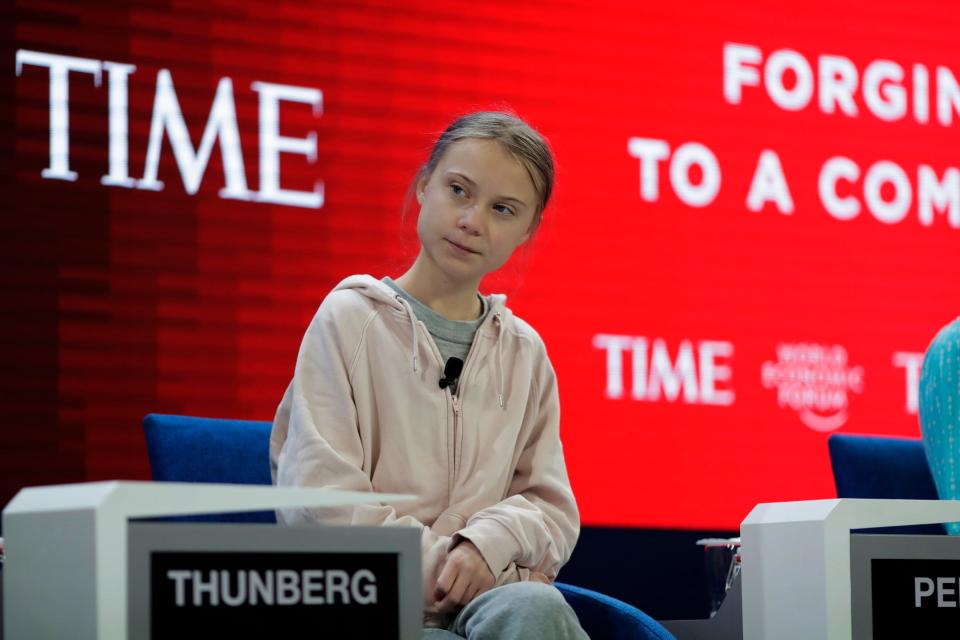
pixel 451 373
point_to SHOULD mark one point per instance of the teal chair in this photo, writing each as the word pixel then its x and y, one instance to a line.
pixel 191 449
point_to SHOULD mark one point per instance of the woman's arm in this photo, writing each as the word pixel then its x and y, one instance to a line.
pixel 536 526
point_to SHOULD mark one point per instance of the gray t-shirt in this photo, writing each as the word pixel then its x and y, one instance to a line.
pixel 453 337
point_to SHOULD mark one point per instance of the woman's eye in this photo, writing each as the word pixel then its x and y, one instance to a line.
pixel 457 190
pixel 504 209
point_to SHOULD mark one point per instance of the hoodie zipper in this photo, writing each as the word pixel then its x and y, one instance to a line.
pixel 457 431
pixel 452 401
pixel 455 399
pixel 452 446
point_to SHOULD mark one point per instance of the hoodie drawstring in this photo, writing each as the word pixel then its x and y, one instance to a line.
pixel 499 322
pixel 413 327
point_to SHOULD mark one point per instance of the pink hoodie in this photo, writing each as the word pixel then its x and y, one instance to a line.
pixel 364 412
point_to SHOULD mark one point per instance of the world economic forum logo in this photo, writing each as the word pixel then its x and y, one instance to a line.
pixel 814 380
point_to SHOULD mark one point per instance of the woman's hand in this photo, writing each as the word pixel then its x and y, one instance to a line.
pixel 464 576
pixel 536 576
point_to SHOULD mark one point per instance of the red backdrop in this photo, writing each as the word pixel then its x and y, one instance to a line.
pixel 710 322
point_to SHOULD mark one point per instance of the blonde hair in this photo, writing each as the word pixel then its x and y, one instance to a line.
pixel 521 141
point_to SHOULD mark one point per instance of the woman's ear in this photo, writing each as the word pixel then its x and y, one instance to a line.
pixel 421 188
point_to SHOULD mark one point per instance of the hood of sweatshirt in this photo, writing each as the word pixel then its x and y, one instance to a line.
pixel 497 317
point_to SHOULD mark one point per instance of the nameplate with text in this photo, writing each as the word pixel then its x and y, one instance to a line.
pixel 915 598
pixel 221 580
pixel 233 593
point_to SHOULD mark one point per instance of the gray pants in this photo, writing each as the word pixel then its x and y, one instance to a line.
pixel 514 612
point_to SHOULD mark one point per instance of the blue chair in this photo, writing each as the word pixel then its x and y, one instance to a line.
pixel 883 467
pixel 191 449
pixel 605 617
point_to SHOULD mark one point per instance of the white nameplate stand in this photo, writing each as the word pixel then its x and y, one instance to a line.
pixel 796 573
pixel 66 546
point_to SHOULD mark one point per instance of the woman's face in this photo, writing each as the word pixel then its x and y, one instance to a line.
pixel 476 207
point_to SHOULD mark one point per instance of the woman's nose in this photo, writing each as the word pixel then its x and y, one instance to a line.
pixel 470 219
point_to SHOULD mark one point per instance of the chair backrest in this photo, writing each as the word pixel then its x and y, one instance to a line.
pixel 191 449
pixel 882 467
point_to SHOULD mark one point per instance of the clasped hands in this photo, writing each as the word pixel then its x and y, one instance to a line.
pixel 465 575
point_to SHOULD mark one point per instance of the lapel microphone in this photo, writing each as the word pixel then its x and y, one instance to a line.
pixel 451 373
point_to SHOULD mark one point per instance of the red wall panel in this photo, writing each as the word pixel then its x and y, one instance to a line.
pixel 661 316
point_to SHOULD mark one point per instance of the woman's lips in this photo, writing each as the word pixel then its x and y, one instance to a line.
pixel 462 248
